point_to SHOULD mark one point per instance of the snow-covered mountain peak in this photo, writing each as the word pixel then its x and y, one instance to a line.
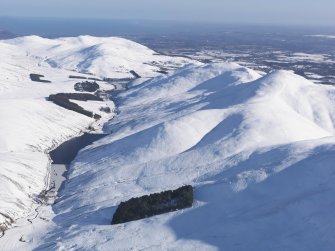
pixel 109 57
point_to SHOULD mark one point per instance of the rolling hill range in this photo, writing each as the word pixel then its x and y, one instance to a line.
pixel 258 150
pixel 31 125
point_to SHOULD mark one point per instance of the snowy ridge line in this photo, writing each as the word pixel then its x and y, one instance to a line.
pixel 259 151
pixel 86 54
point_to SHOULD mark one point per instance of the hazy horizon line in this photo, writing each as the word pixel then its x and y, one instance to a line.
pixel 162 21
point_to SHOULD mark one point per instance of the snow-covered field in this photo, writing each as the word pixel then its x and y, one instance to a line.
pixel 258 150
pixel 323 36
pixel 305 57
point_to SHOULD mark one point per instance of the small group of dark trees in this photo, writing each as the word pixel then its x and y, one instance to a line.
pixel 63 100
pixel 86 86
pixel 105 109
pixel 77 77
pixel 135 74
pixel 154 204
pixel 37 78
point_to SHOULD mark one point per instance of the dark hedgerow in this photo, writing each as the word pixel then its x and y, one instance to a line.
pixel 77 77
pixel 63 100
pixel 163 72
pixel 135 74
pixel 96 79
pixel 154 204
pixel 76 96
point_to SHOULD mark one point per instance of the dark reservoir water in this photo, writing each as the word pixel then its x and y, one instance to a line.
pixel 67 151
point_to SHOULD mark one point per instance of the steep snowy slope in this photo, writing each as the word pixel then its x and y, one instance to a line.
pixel 259 152
pixel 30 125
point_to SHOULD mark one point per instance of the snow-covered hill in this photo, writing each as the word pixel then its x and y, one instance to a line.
pixel 258 150
pixel 109 57
pixel 30 125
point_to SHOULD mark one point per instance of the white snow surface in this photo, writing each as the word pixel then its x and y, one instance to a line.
pixel 258 150
pixel 110 57
pixel 29 126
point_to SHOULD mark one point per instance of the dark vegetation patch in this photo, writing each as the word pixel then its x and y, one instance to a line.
pixel 44 196
pixel 77 96
pixel 154 204
pixel 37 78
pixel 135 74
pixel 105 109
pixel 205 61
pixel 102 94
pixel 86 86
pixel 22 240
pixel 77 77
pixel 96 79
pixel 3 228
pixel 63 100
pixel 162 72
pixel 91 128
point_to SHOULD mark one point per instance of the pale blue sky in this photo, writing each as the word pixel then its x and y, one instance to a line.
pixel 309 12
